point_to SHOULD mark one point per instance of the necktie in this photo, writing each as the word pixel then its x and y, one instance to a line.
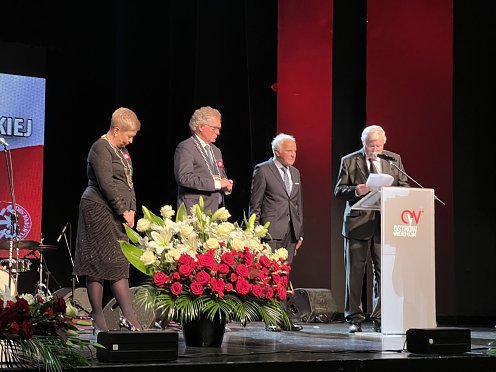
pixel 211 157
pixel 372 167
pixel 287 184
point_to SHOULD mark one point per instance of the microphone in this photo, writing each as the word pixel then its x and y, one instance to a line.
pixel 3 142
pixel 384 156
pixel 63 231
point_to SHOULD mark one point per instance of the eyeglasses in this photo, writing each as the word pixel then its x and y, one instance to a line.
pixel 213 127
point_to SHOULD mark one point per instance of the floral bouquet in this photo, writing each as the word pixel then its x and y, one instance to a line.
pixel 202 265
pixel 37 332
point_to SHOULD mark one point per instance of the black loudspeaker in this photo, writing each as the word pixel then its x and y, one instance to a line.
pixel 112 313
pixel 80 300
pixel 128 346
pixel 309 305
pixel 441 340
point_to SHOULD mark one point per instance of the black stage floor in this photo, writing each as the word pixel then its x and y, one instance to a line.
pixel 321 345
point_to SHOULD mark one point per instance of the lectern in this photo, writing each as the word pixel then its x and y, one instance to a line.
pixel 408 283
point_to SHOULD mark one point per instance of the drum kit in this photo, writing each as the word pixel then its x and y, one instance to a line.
pixel 11 267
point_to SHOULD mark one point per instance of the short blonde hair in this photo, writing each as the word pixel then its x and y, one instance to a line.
pixel 125 119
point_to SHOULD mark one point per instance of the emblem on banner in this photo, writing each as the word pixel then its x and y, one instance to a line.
pixel 6 219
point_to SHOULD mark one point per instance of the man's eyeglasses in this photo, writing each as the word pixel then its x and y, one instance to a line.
pixel 213 127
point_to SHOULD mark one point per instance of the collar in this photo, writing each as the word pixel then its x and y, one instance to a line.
pixel 202 142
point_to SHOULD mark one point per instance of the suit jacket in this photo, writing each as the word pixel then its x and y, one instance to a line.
pixel 270 201
pixel 193 176
pixel 359 224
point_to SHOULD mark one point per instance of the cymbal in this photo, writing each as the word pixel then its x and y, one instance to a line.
pixel 21 244
pixel 43 247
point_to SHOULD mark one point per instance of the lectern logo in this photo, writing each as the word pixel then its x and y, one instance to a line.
pixel 410 219
pixel 6 216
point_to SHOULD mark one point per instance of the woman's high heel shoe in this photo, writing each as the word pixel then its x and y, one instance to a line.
pixel 124 323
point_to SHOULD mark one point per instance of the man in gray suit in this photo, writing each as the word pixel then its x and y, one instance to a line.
pixel 271 201
pixel 277 197
pixel 198 165
pixel 361 228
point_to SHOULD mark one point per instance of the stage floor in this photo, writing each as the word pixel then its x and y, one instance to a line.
pixel 327 345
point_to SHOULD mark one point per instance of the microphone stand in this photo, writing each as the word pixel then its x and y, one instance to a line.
pixel 14 219
pixel 74 276
pixel 418 184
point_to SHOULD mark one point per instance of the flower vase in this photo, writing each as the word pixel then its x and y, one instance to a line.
pixel 204 332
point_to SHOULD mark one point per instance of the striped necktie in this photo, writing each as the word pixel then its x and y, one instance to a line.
pixel 287 184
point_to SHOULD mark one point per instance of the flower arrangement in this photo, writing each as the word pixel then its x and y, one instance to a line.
pixel 37 332
pixel 202 265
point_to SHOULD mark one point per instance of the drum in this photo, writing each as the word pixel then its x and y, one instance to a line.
pixel 4 283
pixel 23 266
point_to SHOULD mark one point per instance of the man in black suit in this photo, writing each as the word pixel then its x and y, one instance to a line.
pixel 277 197
pixel 198 165
pixel 361 228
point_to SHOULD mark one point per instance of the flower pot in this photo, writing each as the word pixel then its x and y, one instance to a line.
pixel 204 332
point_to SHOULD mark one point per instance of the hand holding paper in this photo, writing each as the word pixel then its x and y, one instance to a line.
pixel 378 180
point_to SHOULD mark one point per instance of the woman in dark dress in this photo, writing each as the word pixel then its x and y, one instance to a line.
pixel 108 202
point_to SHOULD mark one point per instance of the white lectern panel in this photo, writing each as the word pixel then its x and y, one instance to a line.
pixel 408 283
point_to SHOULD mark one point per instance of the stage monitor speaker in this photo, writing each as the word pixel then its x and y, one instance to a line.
pixel 142 346
pixel 80 300
pixel 112 313
pixel 441 340
pixel 309 305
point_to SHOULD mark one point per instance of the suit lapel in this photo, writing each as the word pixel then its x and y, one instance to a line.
pixel 277 174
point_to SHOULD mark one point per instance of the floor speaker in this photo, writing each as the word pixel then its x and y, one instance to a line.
pixel 80 300
pixel 112 313
pixel 145 346
pixel 441 340
pixel 309 305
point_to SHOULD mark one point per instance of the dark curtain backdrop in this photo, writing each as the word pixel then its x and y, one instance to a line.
pixel 165 60
pixel 161 63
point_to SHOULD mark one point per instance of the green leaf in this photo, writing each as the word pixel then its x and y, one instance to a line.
pixel 149 215
pixel 133 255
pixel 181 213
pixel 131 234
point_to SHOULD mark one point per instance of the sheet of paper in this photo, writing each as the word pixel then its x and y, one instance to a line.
pixel 378 180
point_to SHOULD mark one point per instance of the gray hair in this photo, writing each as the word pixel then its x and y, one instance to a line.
pixel 279 139
pixel 373 132
pixel 125 119
pixel 203 115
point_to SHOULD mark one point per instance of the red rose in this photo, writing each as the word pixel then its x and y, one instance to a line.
pixel 242 286
pixel 185 270
pixel 14 328
pixel 176 288
pixel 26 330
pixel 196 288
pixel 220 164
pixel 159 279
pixel 242 270
pixel 203 277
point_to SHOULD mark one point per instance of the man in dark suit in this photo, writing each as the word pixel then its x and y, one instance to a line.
pixel 198 165
pixel 277 197
pixel 361 228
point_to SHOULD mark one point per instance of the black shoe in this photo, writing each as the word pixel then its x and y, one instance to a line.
pixel 295 327
pixel 273 328
pixel 355 327
pixel 376 324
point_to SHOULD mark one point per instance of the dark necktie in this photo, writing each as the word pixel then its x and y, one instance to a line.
pixel 372 167
pixel 287 184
